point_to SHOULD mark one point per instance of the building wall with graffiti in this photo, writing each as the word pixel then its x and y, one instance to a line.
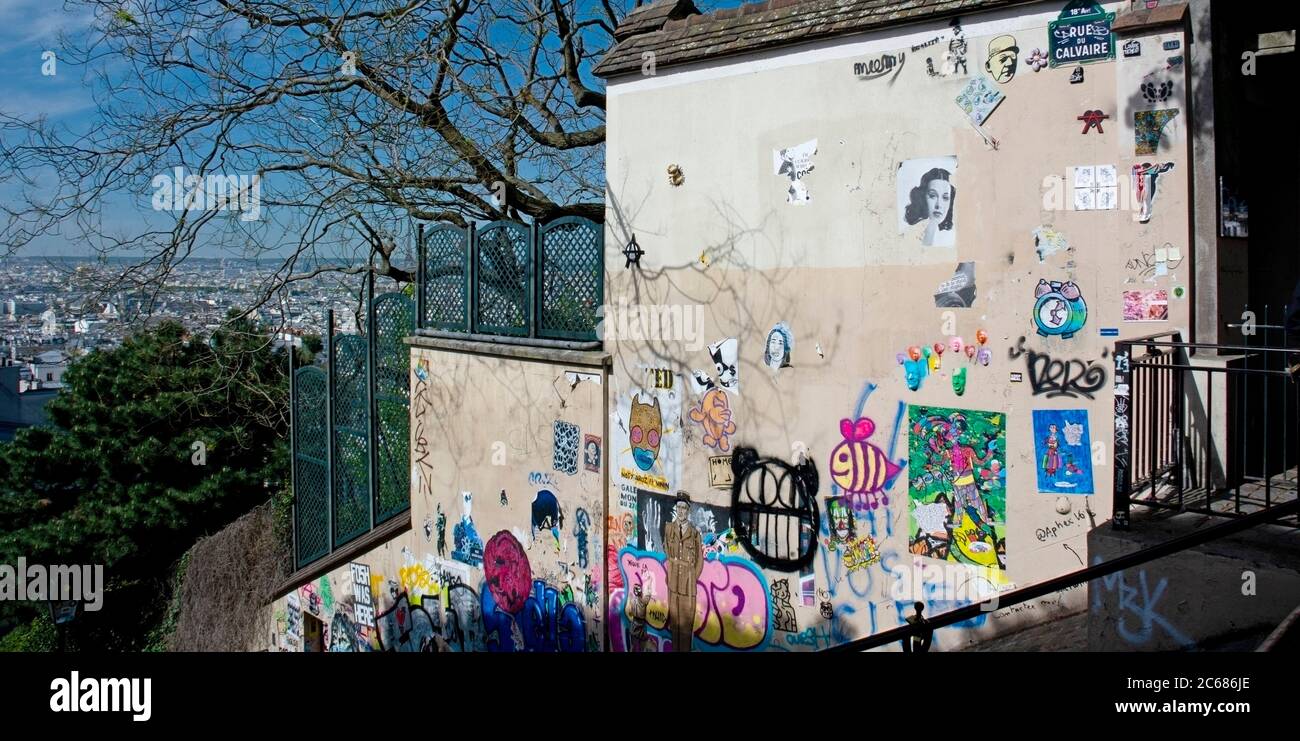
pixel 875 392
pixel 507 519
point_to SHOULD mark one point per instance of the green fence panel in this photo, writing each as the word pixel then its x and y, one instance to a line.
pixel 311 475
pixel 446 278
pixel 572 256
pixel 394 319
pixel 503 279
pixel 351 436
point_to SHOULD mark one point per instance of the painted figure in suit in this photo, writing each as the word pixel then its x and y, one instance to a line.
pixel 685 562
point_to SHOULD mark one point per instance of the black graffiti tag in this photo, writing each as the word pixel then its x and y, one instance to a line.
pixel 1047 375
pixel 879 67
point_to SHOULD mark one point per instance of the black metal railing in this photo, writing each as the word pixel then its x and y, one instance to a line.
pixel 508 279
pixel 350 429
pixel 1206 428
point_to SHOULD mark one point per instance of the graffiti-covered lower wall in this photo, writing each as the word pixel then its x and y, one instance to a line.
pixel 868 323
pixel 507 513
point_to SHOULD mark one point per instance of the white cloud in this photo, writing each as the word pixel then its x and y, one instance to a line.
pixel 29 104
pixel 32 22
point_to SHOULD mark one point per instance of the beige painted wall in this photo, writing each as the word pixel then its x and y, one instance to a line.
pixel 480 425
pixel 856 292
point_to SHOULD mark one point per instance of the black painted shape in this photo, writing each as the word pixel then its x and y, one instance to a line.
pixel 779 493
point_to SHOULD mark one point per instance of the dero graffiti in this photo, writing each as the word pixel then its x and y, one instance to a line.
pixel 1072 378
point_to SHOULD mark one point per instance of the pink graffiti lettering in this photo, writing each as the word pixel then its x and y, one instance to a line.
pixel 732 606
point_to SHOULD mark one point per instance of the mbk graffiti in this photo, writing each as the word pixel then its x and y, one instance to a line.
pixel 1140 604
pixel 1047 375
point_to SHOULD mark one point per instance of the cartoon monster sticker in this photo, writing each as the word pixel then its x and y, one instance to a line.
pixel 725 360
pixel 714 415
pixel 647 428
pixel 858 467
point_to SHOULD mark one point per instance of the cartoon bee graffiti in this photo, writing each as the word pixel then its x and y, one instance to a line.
pixel 858 467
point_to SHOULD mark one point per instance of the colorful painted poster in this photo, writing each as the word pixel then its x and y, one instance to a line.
pixel 645 447
pixel 957 485
pixel 1148 126
pixel 1062 451
pixel 1146 306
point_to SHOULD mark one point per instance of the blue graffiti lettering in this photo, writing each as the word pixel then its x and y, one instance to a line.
pixel 548 622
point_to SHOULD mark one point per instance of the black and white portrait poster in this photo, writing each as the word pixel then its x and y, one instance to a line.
pixel 927 197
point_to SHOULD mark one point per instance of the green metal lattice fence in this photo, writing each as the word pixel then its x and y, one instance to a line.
pixel 506 278
pixel 350 432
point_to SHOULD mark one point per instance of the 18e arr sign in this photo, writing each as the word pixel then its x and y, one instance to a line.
pixel 1081 34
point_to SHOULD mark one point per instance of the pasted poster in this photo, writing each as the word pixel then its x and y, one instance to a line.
pixel 957 485
pixel 645 447
pixel 978 99
pixel 1062 451
pixel 1096 188
pixel 927 194
pixel 958 292
pixel 1146 306
pixel 776 351
pixel 794 164
pixel 657 511
pixel 1148 128
pixel 566 447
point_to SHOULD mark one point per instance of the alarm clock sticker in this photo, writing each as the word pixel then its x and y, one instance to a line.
pixel 1059 309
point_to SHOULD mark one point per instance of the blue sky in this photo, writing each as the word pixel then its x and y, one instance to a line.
pixel 29 29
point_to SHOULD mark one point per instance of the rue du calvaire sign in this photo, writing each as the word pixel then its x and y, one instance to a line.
pixel 1081 34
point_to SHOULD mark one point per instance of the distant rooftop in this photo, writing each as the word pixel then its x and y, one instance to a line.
pixel 677 33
